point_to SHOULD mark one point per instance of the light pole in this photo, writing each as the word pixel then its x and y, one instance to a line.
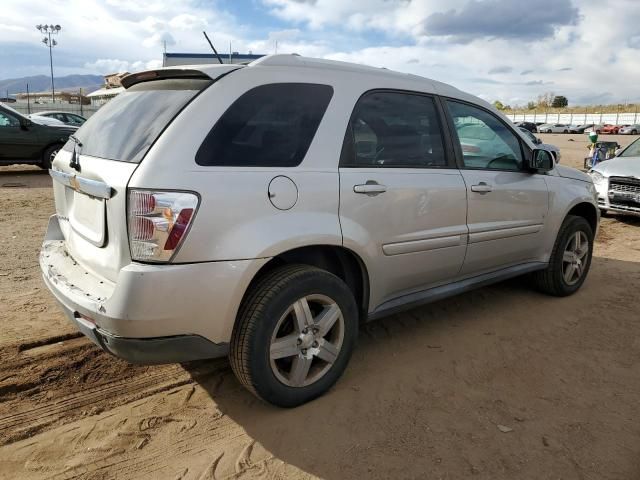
pixel 49 30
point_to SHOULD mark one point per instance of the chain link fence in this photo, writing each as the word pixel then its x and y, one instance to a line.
pixel 578 118
pixel 26 108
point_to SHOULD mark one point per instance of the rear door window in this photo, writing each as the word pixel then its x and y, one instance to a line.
pixel 268 126
pixel 394 130
pixel 126 127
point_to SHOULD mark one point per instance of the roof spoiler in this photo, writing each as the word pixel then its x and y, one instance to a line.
pixel 150 75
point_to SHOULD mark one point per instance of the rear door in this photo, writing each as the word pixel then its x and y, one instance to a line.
pixel 402 203
pixel 507 206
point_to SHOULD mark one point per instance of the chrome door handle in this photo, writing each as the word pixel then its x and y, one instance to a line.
pixel 482 187
pixel 370 188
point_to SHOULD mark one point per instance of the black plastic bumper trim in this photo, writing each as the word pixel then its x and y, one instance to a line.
pixel 159 350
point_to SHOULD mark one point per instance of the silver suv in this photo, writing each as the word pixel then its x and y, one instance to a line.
pixel 265 211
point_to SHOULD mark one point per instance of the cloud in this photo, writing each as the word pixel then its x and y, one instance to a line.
pixel 112 65
pixel 565 69
pixel 501 69
pixel 159 39
pixel 634 41
pixel 537 82
pixel 488 81
pixel 535 40
pixel 502 19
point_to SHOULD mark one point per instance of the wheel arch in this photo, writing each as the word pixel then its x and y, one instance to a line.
pixel 588 211
pixel 339 260
pixel 48 146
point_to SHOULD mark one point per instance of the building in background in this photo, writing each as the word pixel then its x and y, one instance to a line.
pixel 63 97
pixel 114 80
pixel 112 87
pixel 174 59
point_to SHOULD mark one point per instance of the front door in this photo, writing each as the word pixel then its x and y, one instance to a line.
pixel 402 204
pixel 507 206
pixel 15 142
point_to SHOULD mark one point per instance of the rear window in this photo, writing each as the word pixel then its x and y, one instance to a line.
pixel 269 126
pixel 126 127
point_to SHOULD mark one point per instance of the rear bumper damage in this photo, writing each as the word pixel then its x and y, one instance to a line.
pixel 148 351
pixel 151 313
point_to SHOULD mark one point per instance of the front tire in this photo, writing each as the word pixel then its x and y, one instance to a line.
pixel 570 259
pixel 295 332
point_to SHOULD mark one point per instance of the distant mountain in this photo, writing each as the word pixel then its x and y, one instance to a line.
pixel 42 83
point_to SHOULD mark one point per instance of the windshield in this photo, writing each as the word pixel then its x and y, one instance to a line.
pixel 12 110
pixel 126 127
pixel 527 133
pixel 632 150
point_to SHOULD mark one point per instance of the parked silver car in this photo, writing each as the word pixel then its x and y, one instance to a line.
pixel 66 118
pixel 552 149
pixel 630 129
pixel 265 211
pixel 554 128
pixel 618 181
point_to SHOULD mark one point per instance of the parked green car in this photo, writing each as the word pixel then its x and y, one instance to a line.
pixel 23 140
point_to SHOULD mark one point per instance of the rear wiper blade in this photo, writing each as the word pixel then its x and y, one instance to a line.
pixel 76 140
pixel 75 161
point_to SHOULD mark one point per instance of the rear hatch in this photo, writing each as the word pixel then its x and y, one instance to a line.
pixel 93 169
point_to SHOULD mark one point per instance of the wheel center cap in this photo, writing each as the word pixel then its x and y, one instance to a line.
pixel 306 340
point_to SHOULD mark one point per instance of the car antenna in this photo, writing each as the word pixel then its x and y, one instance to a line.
pixel 212 47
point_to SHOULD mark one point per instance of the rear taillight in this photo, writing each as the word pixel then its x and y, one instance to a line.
pixel 158 223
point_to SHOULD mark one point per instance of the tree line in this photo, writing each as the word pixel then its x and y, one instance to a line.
pixel 545 100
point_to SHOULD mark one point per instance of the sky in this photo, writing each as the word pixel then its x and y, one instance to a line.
pixel 507 50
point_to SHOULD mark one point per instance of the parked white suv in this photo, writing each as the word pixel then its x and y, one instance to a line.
pixel 264 211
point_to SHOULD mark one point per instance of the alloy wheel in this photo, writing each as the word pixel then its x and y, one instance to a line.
pixel 306 341
pixel 574 259
pixel 52 157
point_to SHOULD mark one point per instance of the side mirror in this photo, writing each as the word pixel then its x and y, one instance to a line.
pixel 541 160
pixel 26 123
pixel 538 141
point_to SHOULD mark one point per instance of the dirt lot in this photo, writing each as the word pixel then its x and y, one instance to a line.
pixel 427 395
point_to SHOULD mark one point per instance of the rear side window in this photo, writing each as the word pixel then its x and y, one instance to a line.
pixel 126 127
pixel 393 129
pixel 269 126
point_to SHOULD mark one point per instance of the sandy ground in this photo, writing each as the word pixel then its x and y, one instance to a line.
pixel 501 383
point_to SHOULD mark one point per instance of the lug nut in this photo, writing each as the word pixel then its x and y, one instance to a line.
pixel 315 345
pixel 304 351
pixel 299 341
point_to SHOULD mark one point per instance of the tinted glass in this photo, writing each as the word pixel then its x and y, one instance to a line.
pixel 74 119
pixel 269 126
pixel 126 127
pixel 528 134
pixel 7 120
pixel 485 141
pixel 391 129
pixel 632 150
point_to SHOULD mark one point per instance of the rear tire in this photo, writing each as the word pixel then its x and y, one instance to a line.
pixel 295 332
pixel 634 132
pixel 48 156
pixel 569 262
